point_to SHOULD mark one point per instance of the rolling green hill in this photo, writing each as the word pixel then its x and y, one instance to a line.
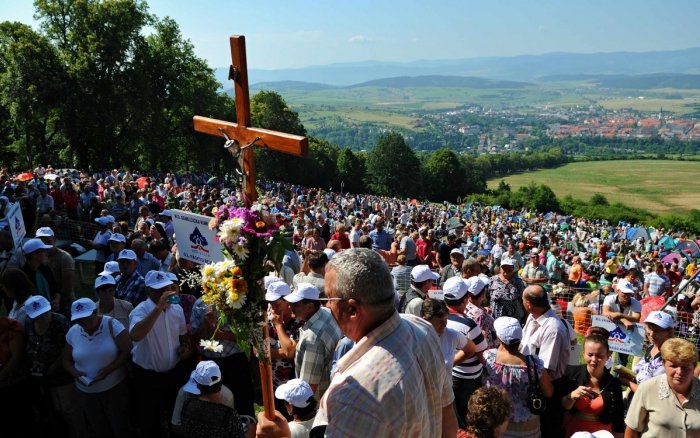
pixel 660 186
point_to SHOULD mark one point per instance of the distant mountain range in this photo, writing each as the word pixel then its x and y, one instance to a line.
pixel 678 65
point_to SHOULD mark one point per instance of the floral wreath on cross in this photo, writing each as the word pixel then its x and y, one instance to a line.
pixel 250 240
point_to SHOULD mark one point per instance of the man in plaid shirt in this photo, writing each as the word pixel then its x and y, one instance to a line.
pixel 317 338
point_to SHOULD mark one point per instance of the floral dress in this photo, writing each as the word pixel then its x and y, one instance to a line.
pixel 506 298
pixel 513 379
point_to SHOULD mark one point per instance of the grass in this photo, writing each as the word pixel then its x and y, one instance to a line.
pixel 659 186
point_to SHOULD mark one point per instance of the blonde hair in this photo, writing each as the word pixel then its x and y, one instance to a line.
pixel 580 300
pixel 679 350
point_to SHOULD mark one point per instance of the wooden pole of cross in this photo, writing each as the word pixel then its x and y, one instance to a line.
pixel 241 138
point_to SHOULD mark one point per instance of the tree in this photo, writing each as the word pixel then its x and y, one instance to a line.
pixel 393 168
pixel 97 41
pixel 31 78
pixel 176 84
pixel 320 170
pixel 443 176
pixel 351 171
pixel 598 199
pixel 269 110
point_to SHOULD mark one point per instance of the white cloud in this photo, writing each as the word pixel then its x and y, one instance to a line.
pixel 360 39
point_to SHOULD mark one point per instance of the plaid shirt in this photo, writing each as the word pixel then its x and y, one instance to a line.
pixel 392 383
pixel 402 278
pixel 317 341
pixel 131 288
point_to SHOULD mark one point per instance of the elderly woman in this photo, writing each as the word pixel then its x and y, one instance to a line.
pixel 659 329
pixel 668 405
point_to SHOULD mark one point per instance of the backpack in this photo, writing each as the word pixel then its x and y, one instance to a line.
pixel 407 298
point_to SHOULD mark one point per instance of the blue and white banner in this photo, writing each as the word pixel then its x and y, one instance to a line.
pixel 195 241
pixel 15 222
pixel 622 339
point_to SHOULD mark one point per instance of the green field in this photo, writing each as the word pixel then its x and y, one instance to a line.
pixel 658 186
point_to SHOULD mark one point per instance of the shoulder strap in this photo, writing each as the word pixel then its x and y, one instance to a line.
pixel 109 324
pixel 532 376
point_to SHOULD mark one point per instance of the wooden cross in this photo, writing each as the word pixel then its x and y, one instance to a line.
pixel 244 136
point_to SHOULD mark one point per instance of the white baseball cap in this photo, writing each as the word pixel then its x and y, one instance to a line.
pixel 277 290
pixel 303 291
pixel 662 319
pixel 454 288
pixel 82 308
pixel 33 245
pixel 157 280
pixel 127 254
pixel 598 434
pixel 104 280
pixel 475 285
pixel 110 268
pixel 508 329
pixel 624 286
pixel 117 237
pixel 207 373
pixel 296 392
pixel 507 261
pixel 44 232
pixel 36 305
pixel 421 273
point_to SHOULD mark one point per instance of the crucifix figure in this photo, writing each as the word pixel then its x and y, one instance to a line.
pixel 240 137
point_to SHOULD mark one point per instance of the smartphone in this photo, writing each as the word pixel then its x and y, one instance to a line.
pixel 174 299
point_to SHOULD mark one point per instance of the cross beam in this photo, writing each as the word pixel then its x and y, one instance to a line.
pixel 241 131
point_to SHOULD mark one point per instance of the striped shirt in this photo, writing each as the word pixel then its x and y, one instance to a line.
pixel 657 284
pixel 472 367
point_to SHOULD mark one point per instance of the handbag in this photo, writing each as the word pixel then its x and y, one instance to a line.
pixel 536 401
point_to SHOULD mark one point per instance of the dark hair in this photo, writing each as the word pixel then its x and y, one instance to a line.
pixel 365 242
pixel 453 303
pixel 213 389
pixel 317 259
pixel 18 282
pixel 306 412
pixel 157 245
pixel 598 335
pixel 433 308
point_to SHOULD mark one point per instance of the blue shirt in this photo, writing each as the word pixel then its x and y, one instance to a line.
pixel 380 240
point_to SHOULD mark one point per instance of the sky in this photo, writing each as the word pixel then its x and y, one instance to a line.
pixel 282 34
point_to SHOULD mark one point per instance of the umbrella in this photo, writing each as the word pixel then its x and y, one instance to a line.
pixel 212 180
pixel 141 181
pixel 51 176
pixel 25 176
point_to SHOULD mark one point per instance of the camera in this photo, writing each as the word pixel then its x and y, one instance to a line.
pixel 174 299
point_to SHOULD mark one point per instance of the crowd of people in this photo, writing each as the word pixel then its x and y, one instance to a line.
pixel 389 317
